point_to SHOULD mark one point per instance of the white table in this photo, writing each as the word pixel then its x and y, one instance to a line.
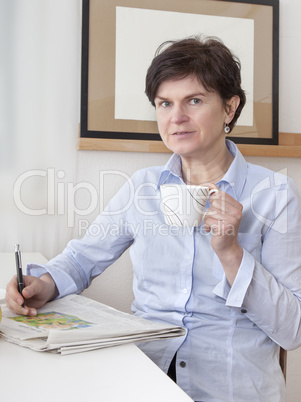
pixel 121 373
pixel 117 374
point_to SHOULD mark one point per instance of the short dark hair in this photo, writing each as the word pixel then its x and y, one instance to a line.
pixel 208 59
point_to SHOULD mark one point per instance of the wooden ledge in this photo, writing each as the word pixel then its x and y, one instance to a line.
pixel 289 146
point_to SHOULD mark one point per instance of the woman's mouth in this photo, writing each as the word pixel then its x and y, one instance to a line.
pixel 182 134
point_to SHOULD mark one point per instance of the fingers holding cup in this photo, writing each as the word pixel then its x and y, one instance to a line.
pixel 223 220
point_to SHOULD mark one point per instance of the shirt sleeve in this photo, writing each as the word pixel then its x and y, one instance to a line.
pixel 268 289
pixel 84 259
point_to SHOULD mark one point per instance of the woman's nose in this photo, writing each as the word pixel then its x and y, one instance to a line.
pixel 178 115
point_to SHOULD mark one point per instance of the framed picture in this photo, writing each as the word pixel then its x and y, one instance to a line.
pixel 119 40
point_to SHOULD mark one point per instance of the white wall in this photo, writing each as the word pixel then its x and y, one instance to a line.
pixel 39 104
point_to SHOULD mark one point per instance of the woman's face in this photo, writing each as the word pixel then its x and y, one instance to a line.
pixel 190 119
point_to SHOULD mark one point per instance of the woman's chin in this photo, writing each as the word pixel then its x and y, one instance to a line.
pixel 181 149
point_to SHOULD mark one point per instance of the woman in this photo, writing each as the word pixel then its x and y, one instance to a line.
pixel 234 282
pixel 193 113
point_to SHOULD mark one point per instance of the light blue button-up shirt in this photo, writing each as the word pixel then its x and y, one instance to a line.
pixel 231 348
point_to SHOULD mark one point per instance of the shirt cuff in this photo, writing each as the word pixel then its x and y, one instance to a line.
pixel 65 285
pixel 235 294
pixel 36 270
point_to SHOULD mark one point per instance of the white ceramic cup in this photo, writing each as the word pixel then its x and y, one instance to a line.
pixel 184 205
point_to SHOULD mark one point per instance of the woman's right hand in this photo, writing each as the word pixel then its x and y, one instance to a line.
pixel 36 292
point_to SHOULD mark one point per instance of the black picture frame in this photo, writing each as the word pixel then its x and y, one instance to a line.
pixel 140 140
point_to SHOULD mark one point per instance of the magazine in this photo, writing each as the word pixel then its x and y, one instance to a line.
pixel 76 324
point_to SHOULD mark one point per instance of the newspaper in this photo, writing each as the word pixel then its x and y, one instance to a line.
pixel 76 324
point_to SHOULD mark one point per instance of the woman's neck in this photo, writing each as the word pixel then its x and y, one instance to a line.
pixel 198 171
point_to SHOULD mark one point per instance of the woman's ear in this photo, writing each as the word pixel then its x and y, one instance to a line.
pixel 231 107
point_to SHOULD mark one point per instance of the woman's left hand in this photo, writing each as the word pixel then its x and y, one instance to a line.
pixel 223 220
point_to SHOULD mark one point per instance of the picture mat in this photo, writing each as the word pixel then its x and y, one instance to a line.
pixel 137 41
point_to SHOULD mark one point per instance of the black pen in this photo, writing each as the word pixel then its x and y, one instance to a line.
pixel 19 269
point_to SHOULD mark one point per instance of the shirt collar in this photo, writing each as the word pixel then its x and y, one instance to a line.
pixel 172 171
pixel 233 180
pixel 236 175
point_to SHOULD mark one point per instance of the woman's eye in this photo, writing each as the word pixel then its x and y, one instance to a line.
pixel 195 101
pixel 163 104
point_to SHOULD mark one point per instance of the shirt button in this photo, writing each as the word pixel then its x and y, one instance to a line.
pixel 185 290
pixel 243 310
pixel 182 364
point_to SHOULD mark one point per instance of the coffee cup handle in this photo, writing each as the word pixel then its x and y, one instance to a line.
pixel 213 190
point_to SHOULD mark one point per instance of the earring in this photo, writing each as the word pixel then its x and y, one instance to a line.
pixel 227 128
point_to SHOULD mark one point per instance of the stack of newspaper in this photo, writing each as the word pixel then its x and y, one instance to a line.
pixel 76 324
